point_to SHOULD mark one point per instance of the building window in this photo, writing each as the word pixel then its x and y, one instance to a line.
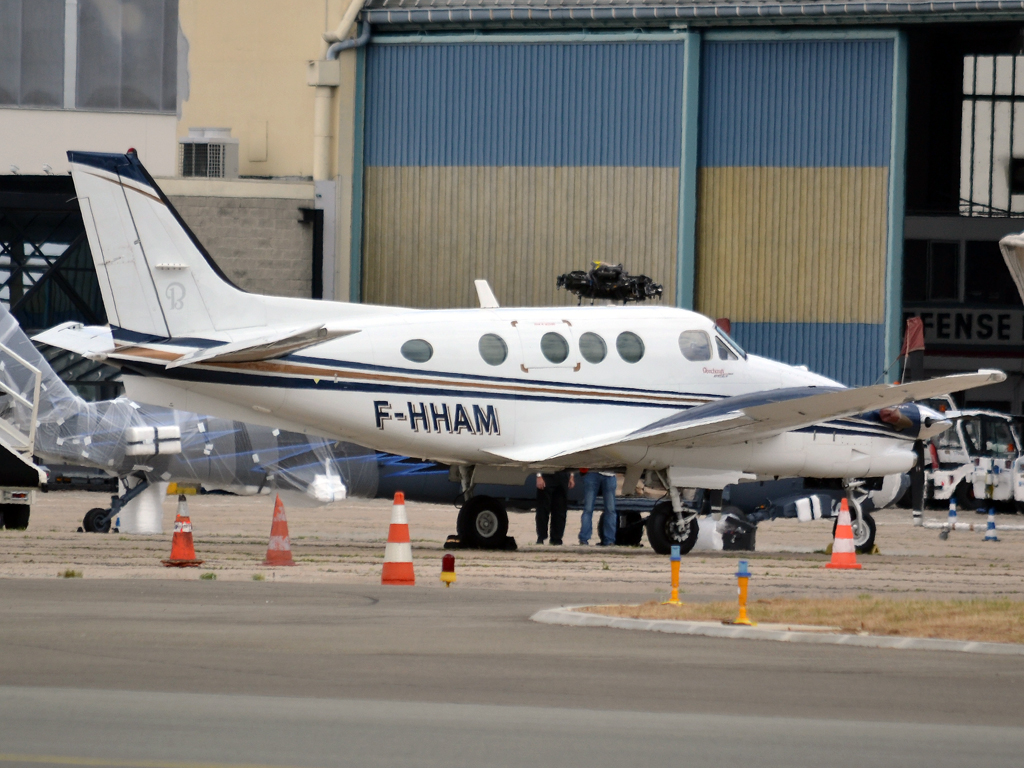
pixel 986 278
pixel 932 271
pixel 32 53
pixel 127 55
pixel 992 136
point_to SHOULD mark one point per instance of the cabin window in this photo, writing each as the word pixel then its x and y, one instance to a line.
pixel 417 350
pixel 695 345
pixel 593 348
pixel 554 347
pixel 493 349
pixel 724 353
pixel 630 346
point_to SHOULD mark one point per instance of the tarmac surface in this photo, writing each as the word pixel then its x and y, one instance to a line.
pixel 136 665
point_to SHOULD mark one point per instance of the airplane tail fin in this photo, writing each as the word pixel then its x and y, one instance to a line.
pixel 155 276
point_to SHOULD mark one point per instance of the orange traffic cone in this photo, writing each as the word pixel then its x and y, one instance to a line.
pixel 279 551
pixel 844 553
pixel 183 552
pixel 398 552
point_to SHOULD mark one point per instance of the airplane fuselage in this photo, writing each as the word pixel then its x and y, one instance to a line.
pixel 464 386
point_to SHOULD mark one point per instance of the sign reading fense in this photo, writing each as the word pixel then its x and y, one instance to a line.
pixel 967 327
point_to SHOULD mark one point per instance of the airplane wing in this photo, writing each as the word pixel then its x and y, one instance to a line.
pixel 759 415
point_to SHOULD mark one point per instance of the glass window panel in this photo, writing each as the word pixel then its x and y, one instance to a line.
pixel 554 347
pixel 724 353
pixel 142 44
pixel 915 271
pixel 493 349
pixel 986 278
pixel 630 346
pixel 127 54
pixel 944 272
pixel 42 53
pixel 593 348
pixel 99 54
pixel 417 350
pixel 695 345
pixel 169 76
pixel 10 51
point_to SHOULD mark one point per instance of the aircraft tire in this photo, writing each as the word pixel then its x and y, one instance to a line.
pixel 663 534
pixel 964 495
pixel 483 523
pixel 15 516
pixel 631 529
pixel 865 542
pixel 89 521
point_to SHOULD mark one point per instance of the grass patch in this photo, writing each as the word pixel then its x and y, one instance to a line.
pixel 208 576
pixel 70 574
pixel 258 577
pixel 992 620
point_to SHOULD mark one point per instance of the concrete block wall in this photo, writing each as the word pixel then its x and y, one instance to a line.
pixel 260 243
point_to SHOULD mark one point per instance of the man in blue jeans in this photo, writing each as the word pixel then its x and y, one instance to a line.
pixel 595 482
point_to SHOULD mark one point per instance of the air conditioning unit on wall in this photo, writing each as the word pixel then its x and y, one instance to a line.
pixel 208 153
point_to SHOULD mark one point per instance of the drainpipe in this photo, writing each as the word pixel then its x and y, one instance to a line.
pixel 326 78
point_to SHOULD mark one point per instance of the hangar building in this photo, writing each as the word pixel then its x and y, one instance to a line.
pixel 815 172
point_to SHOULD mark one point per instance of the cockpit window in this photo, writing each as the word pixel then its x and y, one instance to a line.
pixel 724 352
pixel 695 345
pixel 731 343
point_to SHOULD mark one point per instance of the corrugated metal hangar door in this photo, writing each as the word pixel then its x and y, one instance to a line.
pixel 516 162
pixel 793 199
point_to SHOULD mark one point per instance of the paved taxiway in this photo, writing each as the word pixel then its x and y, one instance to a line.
pixel 125 671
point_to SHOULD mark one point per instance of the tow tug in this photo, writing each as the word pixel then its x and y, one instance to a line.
pixel 978 459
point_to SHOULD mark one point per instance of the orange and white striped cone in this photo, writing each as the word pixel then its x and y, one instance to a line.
pixel 398 552
pixel 183 551
pixel 844 553
pixel 279 551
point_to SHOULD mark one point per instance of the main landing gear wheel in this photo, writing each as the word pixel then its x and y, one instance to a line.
pixel 483 523
pixel 91 521
pixel 665 530
pixel 863 534
pixel 14 516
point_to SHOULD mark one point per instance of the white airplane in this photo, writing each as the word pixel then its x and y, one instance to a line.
pixel 495 392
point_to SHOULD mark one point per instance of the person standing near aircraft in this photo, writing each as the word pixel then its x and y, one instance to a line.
pixel 553 502
pixel 595 482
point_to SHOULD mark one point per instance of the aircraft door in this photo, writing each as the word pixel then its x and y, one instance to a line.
pixel 547 344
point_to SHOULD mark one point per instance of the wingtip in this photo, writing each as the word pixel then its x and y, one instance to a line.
pixel 994 375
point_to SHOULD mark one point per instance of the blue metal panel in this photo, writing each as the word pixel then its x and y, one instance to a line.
pixel 534 104
pixel 802 103
pixel 852 353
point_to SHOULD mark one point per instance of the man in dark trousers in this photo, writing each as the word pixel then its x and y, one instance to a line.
pixel 552 502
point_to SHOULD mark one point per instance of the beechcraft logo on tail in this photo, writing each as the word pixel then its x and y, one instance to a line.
pixel 434 417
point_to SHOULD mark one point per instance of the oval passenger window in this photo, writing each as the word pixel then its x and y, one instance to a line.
pixel 695 345
pixel 493 349
pixel 630 346
pixel 417 350
pixel 554 347
pixel 592 347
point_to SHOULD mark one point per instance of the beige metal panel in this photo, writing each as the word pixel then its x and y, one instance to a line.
pixel 792 244
pixel 430 231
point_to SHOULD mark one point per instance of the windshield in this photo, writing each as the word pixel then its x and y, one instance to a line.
pixel 733 344
pixel 989 436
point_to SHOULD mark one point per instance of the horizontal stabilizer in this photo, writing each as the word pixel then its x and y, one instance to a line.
pixel 265 347
pixel 94 342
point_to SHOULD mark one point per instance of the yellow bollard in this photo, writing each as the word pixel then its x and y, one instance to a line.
pixel 743 575
pixel 675 557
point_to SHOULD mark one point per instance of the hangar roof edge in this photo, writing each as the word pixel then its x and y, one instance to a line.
pixel 702 13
